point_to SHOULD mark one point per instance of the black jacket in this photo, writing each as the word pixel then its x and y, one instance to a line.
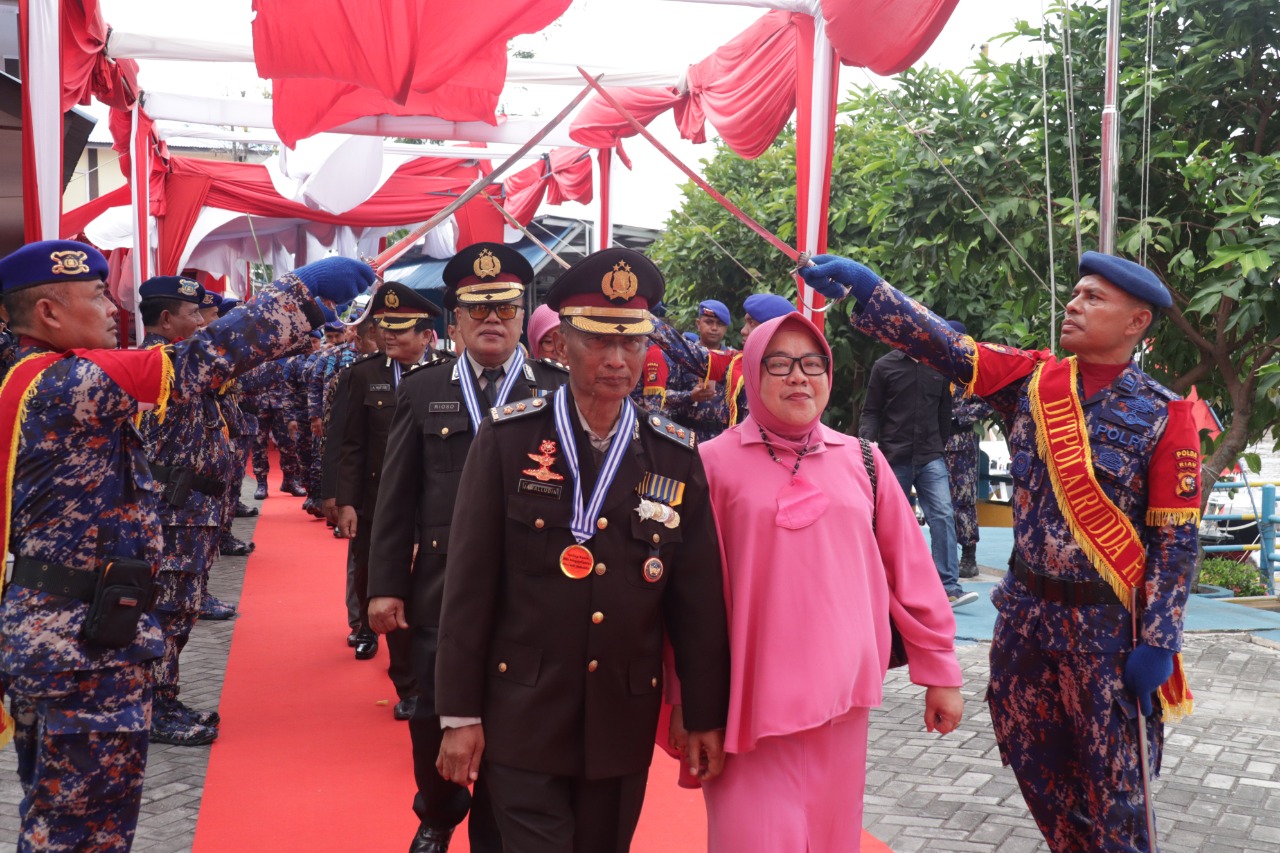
pixel 907 410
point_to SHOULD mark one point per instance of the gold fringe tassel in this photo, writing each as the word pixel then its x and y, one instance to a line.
pixel 973 365
pixel 1182 515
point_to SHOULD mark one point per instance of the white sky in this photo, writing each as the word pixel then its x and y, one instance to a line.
pixel 637 34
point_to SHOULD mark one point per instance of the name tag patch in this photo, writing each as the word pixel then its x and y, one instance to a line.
pixel 444 407
pixel 380 386
pixel 541 490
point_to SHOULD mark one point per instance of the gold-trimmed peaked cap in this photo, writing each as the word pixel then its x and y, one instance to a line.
pixel 397 307
pixel 609 292
pixel 485 274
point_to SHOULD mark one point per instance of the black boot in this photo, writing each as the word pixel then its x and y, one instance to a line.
pixel 430 840
pixel 260 493
pixel 968 561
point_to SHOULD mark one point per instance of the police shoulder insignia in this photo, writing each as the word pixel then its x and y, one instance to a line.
pixel 551 362
pixel 518 409
pixel 362 359
pixel 671 430
pixel 1162 391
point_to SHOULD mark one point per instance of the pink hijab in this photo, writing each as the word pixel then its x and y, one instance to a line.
pixel 542 320
pixel 800 503
pixel 753 353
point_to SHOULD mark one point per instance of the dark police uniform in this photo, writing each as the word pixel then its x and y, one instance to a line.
pixel 1063 718
pixel 82 493
pixel 556 644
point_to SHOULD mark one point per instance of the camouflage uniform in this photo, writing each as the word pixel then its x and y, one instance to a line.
pixel 1063 718
pixel 82 491
pixel 296 373
pixel 272 400
pixel 241 428
pixel 689 364
pixel 961 454
pixel 323 367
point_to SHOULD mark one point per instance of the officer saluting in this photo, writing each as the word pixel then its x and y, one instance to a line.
pixel 438 409
pixel 582 535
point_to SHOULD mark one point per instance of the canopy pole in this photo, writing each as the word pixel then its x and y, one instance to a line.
pixel 40 51
pixel 604 198
pixel 1110 135
pixel 815 136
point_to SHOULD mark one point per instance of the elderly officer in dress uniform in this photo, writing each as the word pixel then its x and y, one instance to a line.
pixel 84 525
pixel 191 458
pixel 439 407
pixel 405 317
pixel 582 536
pixel 1106 502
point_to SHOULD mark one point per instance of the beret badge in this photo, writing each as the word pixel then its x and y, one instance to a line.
pixel 69 263
pixel 187 287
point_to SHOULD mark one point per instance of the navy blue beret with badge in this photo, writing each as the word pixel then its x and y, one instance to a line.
pixel 226 305
pixel 609 293
pixel 763 307
pixel 211 300
pixel 714 308
pixel 176 287
pixel 1134 279
pixel 485 274
pixel 49 262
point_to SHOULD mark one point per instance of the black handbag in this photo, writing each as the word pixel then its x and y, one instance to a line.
pixel 897 649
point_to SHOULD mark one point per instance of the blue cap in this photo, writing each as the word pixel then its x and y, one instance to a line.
pixel 763 307
pixel 224 308
pixel 714 308
pixel 173 287
pixel 49 262
pixel 335 326
pixel 316 333
pixel 957 326
pixel 1134 279
pixel 211 300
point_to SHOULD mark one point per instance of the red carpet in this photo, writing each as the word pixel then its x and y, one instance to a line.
pixel 308 759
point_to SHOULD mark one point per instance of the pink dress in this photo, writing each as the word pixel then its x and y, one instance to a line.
pixel 809 635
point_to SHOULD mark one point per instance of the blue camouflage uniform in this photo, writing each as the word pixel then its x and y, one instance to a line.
pixel 961 455
pixel 1063 718
pixel 689 363
pixel 83 491
pixel 271 398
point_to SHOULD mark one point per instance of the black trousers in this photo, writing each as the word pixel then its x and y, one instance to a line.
pixel 541 813
pixel 439 803
pixel 400 668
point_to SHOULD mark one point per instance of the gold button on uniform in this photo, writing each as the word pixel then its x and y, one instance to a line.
pixel 602 524
pixel 502 667
pixel 444 430
pixel 597 617
pixel 656 539
pixel 593 666
pixel 379 404
pixel 539 523
pixel 653 682
pixel 435 544
pixel 599 568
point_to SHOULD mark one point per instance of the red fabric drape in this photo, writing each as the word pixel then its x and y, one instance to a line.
pixel 886 36
pixel 86 70
pixel 562 175
pixel 334 60
pixel 75 220
pixel 747 88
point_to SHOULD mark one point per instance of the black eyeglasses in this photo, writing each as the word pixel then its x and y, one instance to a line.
pixel 505 311
pixel 811 364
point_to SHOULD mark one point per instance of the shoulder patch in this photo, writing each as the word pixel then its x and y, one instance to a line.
pixel 551 362
pixel 1162 391
pixel 362 359
pixel 425 368
pixel 670 430
pixel 516 409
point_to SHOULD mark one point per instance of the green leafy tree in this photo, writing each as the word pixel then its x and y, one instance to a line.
pixel 981 254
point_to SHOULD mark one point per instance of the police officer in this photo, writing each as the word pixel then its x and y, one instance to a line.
pixel 84 504
pixel 191 458
pixel 582 536
pixel 242 425
pixel 961 455
pixel 692 398
pixel 438 410
pixel 271 399
pixel 1077 658
pixel 336 353
pixel 405 317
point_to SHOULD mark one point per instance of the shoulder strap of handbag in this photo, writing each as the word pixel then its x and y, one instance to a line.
pixel 869 461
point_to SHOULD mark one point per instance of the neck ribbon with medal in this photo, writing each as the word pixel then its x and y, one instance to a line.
pixel 470 387
pixel 577 561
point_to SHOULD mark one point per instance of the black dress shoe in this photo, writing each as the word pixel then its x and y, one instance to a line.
pixel 243 511
pixel 260 493
pixel 233 547
pixel 352 637
pixel 366 645
pixel 430 840
pixel 404 708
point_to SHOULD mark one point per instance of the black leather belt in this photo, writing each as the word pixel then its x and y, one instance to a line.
pixel 55 578
pixel 170 475
pixel 1070 593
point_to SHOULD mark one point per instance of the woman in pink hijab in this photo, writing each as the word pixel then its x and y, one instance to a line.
pixel 810 586
pixel 544 334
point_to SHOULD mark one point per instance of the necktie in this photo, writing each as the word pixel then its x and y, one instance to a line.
pixel 493 378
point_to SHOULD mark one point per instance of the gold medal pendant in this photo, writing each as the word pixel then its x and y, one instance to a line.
pixel 576 562
pixel 653 570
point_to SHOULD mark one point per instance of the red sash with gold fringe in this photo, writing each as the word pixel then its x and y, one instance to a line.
pixel 1105 534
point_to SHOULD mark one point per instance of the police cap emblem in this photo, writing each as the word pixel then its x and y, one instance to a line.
pixel 69 262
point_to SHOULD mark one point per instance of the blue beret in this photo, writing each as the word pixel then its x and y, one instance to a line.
pixel 957 326
pixel 316 333
pixel 211 300
pixel 763 307
pixel 692 337
pixel 714 308
pixel 1134 279
pixel 51 261
pixel 335 326
pixel 224 308
pixel 173 287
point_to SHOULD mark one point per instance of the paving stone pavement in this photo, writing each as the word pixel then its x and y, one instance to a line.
pixel 1219 791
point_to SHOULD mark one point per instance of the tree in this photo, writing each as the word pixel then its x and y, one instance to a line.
pixel 1210 229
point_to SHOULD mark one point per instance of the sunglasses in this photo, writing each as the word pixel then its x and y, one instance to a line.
pixel 505 311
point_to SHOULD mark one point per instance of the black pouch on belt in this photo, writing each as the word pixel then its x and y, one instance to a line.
pixel 125 591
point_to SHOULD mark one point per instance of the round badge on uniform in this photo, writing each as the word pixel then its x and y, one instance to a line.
pixel 653 570
pixel 577 562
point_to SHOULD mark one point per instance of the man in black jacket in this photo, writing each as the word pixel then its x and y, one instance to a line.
pixel 908 413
